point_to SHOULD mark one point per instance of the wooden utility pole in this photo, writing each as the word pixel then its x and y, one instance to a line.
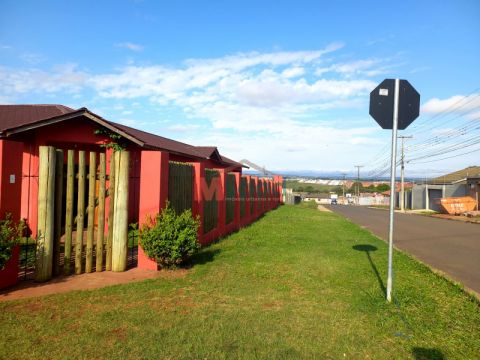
pixel 358 182
pixel 402 172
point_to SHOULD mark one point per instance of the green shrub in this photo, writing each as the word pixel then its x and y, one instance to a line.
pixel 10 235
pixel 311 204
pixel 170 239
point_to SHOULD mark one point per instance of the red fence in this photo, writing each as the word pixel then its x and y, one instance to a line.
pixel 258 196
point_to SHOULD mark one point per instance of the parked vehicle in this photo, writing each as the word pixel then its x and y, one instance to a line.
pixel 333 199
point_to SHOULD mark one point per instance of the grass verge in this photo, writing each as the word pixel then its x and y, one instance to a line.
pixel 299 283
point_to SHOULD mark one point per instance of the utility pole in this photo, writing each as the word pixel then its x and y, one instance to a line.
pixel 402 172
pixel 343 188
pixel 358 182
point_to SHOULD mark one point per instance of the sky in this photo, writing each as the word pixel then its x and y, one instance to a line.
pixel 283 84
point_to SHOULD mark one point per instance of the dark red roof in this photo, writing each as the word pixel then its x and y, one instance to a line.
pixel 160 142
pixel 233 162
pixel 206 151
pixel 12 116
pixel 211 152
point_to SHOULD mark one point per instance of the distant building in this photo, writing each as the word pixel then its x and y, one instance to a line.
pixel 460 183
pixel 318 198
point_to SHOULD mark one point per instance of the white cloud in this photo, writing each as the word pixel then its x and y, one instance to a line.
pixel 61 78
pixel 259 105
pixel 295 146
pixel 454 104
pixel 365 67
pixel 130 46
pixel 293 72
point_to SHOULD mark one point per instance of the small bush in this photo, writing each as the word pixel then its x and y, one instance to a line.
pixel 170 239
pixel 10 235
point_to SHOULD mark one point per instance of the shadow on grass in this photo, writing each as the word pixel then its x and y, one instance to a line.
pixel 202 257
pixel 427 354
pixel 367 249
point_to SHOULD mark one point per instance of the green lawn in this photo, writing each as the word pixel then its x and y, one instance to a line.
pixel 299 283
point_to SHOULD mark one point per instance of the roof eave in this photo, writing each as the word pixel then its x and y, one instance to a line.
pixel 81 112
pixel 150 147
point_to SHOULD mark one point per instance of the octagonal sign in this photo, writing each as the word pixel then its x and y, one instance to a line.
pixel 382 101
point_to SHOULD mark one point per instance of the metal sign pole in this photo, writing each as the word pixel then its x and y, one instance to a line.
pixel 393 167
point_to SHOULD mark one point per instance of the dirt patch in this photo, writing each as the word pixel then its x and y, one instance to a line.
pixel 33 308
pixel 62 284
pixel 119 333
pixel 323 208
pixel 173 274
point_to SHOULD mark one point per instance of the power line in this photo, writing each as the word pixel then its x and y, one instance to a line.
pixel 448 157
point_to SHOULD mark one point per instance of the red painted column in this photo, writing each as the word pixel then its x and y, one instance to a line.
pixel 272 200
pixel 29 192
pixel 198 196
pixel 11 153
pixel 267 193
pixel 222 204
pixel 236 218
pixel 262 198
pixel 246 218
pixel 277 191
pixel 153 194
pixel 274 192
pixel 280 190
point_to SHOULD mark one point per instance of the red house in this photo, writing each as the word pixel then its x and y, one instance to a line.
pixel 23 128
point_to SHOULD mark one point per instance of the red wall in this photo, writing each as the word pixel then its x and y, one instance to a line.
pixel 10 178
pixel 77 134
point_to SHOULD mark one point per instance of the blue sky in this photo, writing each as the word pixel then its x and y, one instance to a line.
pixel 283 84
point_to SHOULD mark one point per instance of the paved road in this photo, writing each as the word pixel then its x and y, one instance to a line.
pixel 450 246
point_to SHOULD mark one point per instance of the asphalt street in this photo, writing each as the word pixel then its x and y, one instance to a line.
pixel 452 247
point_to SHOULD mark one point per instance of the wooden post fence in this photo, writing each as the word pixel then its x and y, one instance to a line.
pixel 58 210
pixel 120 215
pixel 101 213
pixel 69 211
pixel 46 202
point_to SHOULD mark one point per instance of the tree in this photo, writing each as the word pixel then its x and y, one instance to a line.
pixel 383 187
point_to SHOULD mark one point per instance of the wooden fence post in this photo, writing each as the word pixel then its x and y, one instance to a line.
pixel 69 211
pixel 46 205
pixel 120 216
pixel 58 209
pixel 101 214
pixel 111 208
pixel 92 179
pixel 80 212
